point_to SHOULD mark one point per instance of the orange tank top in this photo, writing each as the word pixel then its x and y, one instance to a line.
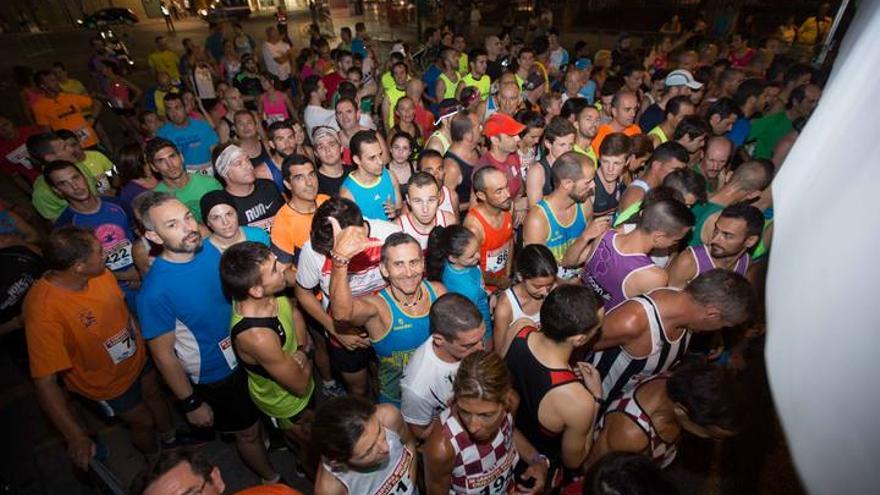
pixel 495 251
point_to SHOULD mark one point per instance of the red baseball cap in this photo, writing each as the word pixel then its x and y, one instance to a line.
pixel 501 123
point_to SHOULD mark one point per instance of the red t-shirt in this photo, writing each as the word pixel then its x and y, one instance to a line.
pixel 332 82
pixel 511 168
pixel 14 158
pixel 425 120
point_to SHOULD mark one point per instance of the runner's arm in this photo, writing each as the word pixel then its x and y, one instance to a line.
pixel 538 465
pixel 291 371
pixel 353 310
pixel 535 227
pixel 439 462
pixel 578 410
pixel 56 405
pixel 535 183
pixel 682 269
pixel 162 350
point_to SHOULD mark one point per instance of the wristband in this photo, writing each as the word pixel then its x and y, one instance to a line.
pixel 539 457
pixel 191 403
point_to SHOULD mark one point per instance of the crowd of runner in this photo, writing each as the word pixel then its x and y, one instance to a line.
pixel 475 267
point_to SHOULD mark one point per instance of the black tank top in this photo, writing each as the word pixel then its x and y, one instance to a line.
pixel 532 380
pixel 603 202
pixel 467 170
pixel 231 124
pixel 547 188
pixel 245 324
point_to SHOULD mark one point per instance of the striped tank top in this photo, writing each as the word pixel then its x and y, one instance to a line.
pixel 620 370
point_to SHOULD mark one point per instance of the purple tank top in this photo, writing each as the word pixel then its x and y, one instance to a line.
pixel 607 270
pixel 705 263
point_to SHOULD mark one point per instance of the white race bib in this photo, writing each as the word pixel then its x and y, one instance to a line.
pixel 119 256
pixel 121 346
pixel 20 156
pixel 228 352
pixel 496 259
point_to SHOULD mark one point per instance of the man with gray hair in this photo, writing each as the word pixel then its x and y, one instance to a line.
pixel 256 200
pixel 185 317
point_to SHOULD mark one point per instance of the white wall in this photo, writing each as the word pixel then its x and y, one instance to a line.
pixel 823 347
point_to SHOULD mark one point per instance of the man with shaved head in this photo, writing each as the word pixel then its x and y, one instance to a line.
pixel 746 184
pixel 624 107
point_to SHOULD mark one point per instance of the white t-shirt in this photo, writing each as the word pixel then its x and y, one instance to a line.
pixel 426 385
pixel 270 53
pixel 313 269
pixel 315 116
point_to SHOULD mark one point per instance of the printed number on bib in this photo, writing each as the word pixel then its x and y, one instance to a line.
pixel 121 346
pixel 119 256
pixel 496 259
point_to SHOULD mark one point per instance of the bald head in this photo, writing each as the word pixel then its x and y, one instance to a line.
pixel 624 106
pixel 753 176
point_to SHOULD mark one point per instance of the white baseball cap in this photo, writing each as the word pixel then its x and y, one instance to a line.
pixel 682 77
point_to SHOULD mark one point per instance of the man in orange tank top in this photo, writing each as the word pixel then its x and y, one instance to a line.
pixel 492 224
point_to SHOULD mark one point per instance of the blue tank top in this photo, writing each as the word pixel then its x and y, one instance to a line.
pixel 371 198
pixel 406 333
pixel 561 237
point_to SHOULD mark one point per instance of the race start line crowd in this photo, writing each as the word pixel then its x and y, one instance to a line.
pixel 490 268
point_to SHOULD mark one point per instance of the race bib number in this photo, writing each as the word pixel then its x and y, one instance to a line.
pixel 228 353
pixel 121 346
pixel 119 256
pixel 399 481
pixel 498 480
pixel 496 259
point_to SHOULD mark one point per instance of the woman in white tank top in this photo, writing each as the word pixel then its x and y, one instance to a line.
pixel 536 272
pixel 381 460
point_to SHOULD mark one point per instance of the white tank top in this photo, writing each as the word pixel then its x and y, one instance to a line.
pixel 407 225
pixel 393 478
pixel 445 202
pixel 517 311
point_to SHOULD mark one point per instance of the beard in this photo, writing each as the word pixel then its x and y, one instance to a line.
pixel 189 244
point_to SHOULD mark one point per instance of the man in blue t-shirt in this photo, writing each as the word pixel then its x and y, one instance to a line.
pixel 194 138
pixel 106 216
pixel 185 319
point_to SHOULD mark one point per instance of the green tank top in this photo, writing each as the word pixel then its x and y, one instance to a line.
pixel 702 212
pixel 657 131
pixel 270 397
pixel 483 84
pixel 626 214
pixel 761 248
pixel 393 94
pixel 450 86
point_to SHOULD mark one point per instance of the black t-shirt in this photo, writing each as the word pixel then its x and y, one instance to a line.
pixel 494 69
pixel 19 269
pixel 259 208
pixel 247 85
pixel 653 116
pixel 330 185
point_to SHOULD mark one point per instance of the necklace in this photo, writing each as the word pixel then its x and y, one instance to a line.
pixel 407 305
